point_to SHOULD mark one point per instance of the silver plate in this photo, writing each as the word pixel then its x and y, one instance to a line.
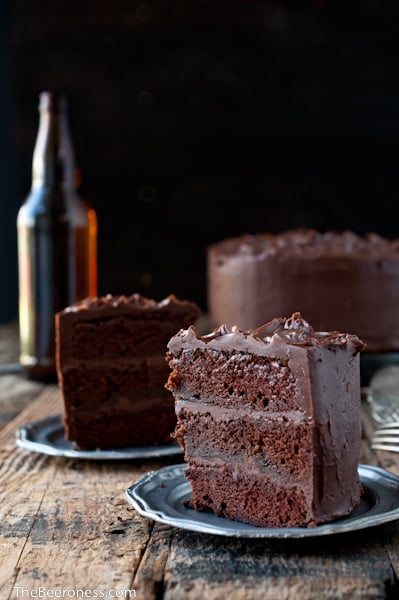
pixel 47 437
pixel 161 496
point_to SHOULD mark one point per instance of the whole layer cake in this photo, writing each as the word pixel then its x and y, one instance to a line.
pixel 269 421
pixel 339 280
pixel 110 356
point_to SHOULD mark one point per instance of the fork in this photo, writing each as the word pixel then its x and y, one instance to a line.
pixel 386 437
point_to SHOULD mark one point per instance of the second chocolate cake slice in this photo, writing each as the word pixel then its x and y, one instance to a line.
pixel 112 371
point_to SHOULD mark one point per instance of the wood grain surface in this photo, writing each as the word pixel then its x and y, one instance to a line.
pixel 66 528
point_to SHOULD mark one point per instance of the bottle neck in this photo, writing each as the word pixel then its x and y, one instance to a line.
pixel 53 157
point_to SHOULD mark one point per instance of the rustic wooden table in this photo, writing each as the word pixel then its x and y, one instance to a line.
pixel 66 529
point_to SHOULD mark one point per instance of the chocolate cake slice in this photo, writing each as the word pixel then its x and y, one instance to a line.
pixel 110 356
pixel 269 421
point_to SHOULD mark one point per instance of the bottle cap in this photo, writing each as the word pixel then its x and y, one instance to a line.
pixel 51 100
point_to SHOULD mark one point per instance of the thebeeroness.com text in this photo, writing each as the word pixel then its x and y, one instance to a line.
pixel 18 591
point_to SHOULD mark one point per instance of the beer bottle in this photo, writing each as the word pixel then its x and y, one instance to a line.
pixel 57 240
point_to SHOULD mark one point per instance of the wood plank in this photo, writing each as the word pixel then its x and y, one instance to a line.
pixel 16 391
pixel 9 347
pixel 47 402
pixel 80 531
pixel 67 525
pixel 67 521
pixel 202 566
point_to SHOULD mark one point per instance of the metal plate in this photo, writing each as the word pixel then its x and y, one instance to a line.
pixel 161 496
pixel 47 437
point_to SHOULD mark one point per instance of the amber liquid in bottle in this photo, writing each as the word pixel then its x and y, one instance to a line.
pixel 57 241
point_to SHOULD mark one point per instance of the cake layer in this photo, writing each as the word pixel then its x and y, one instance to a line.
pixel 283 443
pixel 89 386
pixel 126 401
pixel 119 337
pixel 233 492
pixel 116 327
pixel 270 386
pixel 145 425
pixel 115 407
pixel 337 281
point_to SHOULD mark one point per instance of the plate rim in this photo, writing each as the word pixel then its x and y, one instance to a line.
pixel 53 423
pixel 244 530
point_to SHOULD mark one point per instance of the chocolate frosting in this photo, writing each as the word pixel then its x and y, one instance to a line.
pixel 338 280
pixel 293 330
pixel 308 242
pixel 135 301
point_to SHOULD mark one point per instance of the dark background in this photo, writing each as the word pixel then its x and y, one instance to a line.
pixel 198 120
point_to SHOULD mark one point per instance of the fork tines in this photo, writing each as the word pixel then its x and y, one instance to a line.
pixel 386 437
pixel 389 425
